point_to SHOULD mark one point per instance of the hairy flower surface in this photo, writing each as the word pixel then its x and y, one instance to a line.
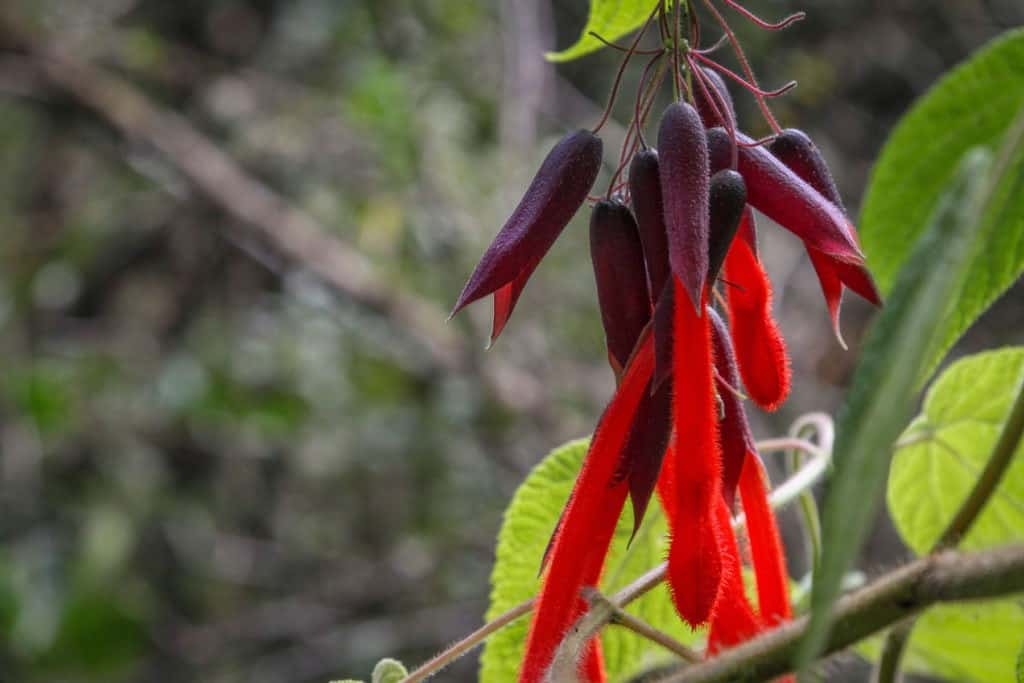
pixel 674 249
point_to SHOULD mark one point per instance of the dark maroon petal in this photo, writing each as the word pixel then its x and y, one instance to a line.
pixel 645 449
pixel 645 191
pixel 719 150
pixel 728 199
pixel 663 330
pixel 798 152
pixel 621 278
pixel 737 440
pixel 783 196
pixel 707 112
pixel 556 193
pixel 684 189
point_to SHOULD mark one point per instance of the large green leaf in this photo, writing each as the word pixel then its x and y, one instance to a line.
pixel 610 19
pixel 885 385
pixel 529 521
pixel 973 642
pixel 946 448
pixel 973 105
pixel 941 455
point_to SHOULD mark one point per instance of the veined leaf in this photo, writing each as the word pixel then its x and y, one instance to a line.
pixel 886 382
pixel 972 105
pixel 946 447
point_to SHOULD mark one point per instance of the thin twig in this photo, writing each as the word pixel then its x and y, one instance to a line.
pixel 645 630
pixel 947 577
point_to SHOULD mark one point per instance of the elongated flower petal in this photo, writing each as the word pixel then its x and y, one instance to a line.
pixel 734 620
pixel 765 545
pixel 685 178
pixel 760 348
pixel 645 449
pixel 588 523
pixel 645 190
pixel 556 193
pixel 694 559
pixel 798 152
pixel 779 193
pixel 737 441
pixel 710 114
pixel 728 200
pixel 719 159
pixel 621 277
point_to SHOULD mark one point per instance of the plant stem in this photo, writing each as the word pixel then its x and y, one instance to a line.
pixel 468 643
pixel 947 577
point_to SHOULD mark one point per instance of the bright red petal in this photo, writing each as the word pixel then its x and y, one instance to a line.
pixel 577 555
pixel 760 348
pixel 765 545
pixel 692 486
pixel 734 620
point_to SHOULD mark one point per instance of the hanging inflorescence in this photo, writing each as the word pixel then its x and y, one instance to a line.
pixel 673 238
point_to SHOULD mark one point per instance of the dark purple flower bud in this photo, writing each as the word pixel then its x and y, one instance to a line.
pixel 779 193
pixel 714 87
pixel 737 441
pixel 618 259
pixel 645 191
pixel 728 201
pixel 798 152
pixel 663 330
pixel 645 449
pixel 556 193
pixel 684 174
pixel 720 157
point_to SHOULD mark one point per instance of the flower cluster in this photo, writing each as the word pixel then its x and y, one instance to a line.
pixel 670 243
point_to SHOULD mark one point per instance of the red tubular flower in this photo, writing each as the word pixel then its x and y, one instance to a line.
pixel 556 193
pixel 618 259
pixel 799 153
pixel 765 545
pixel 737 442
pixel 684 190
pixel 760 348
pixel 734 620
pixel 588 523
pixel 692 481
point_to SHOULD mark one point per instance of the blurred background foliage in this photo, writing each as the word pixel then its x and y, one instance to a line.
pixel 218 465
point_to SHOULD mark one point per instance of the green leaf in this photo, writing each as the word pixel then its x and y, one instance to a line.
pixel 946 448
pixel 388 671
pixel 1020 665
pixel 886 382
pixel 610 19
pixel 529 521
pixel 974 642
pixel 932 472
pixel 973 105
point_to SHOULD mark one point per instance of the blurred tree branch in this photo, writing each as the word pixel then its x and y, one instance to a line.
pixel 266 216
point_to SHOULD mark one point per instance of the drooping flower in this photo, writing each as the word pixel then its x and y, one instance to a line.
pixel 553 198
pixel 676 421
pixel 799 153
